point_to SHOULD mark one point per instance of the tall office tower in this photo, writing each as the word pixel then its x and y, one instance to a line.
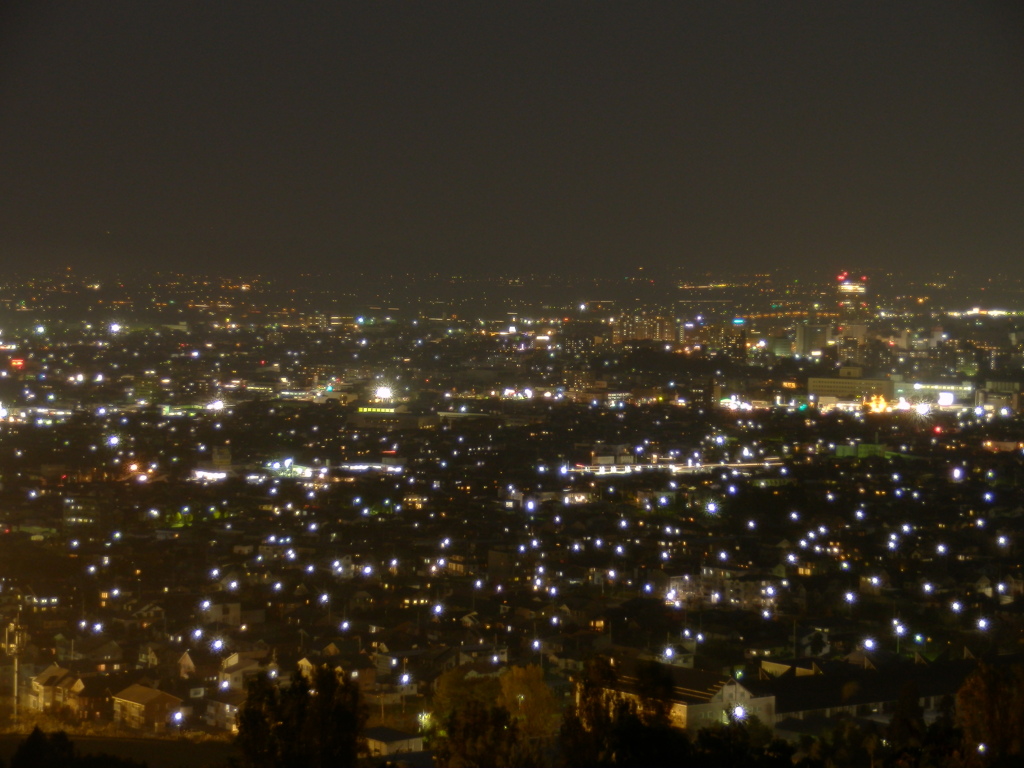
pixel 852 299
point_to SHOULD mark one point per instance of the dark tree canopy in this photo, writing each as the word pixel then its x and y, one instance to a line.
pixel 302 725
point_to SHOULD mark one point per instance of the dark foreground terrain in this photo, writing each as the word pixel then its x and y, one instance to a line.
pixel 157 753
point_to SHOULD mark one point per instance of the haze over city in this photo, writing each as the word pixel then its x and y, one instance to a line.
pixel 495 137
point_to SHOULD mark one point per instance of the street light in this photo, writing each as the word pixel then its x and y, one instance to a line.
pixel 405 679
pixel 325 599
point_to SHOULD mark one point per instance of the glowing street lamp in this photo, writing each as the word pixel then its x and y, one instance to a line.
pixel 899 630
pixel 325 599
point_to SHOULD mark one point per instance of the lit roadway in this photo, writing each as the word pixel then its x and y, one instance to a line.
pixel 675 469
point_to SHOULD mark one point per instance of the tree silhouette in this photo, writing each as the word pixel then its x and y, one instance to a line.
pixel 533 708
pixel 906 730
pixel 530 701
pixel 457 687
pixel 477 735
pixel 301 725
pixel 990 709
pixel 37 750
pixel 607 728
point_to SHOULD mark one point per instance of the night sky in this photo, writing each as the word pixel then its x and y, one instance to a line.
pixel 511 136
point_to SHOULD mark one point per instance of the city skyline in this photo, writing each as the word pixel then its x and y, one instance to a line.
pixel 794 502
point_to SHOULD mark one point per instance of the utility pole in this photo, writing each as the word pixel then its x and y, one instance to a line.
pixel 17 652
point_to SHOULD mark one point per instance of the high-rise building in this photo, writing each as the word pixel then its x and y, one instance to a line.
pixel 852 298
pixel 811 339
pixel 645 325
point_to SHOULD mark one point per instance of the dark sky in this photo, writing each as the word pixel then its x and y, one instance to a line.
pixel 511 136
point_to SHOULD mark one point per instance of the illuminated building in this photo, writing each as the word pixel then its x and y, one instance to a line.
pixel 852 302
pixel 849 385
pixel 811 339
pixel 645 325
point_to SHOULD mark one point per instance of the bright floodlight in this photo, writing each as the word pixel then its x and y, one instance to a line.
pixel 383 393
pixel 739 712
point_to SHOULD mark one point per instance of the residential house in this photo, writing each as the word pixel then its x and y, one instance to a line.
pixel 222 709
pixel 52 689
pixel 238 668
pixel 699 698
pixel 862 686
pixel 144 708
pixel 383 741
